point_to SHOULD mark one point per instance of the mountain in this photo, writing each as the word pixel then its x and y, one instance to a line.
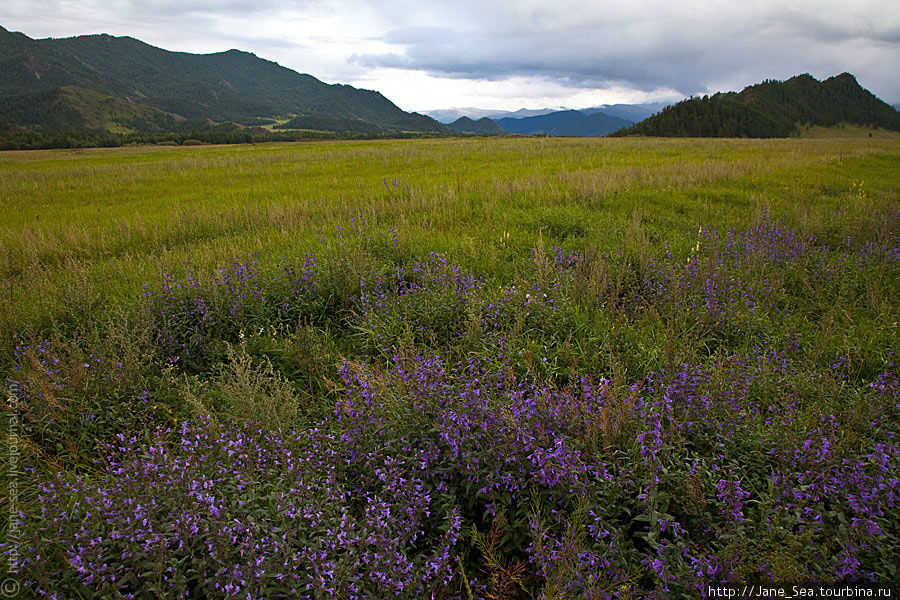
pixel 482 125
pixel 523 113
pixel 772 109
pixel 565 123
pixel 630 112
pixel 100 82
pixel 448 115
pixel 597 124
pixel 73 108
pixel 542 124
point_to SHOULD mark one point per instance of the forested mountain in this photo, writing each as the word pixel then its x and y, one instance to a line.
pixel 482 125
pixel 100 82
pixel 565 123
pixel 772 109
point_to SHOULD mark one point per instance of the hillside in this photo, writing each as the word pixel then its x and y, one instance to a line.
pixel 772 109
pixel 69 81
pixel 565 123
pixel 70 107
pixel 483 126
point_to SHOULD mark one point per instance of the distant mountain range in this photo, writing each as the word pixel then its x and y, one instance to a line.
pixel 449 115
pixel 772 109
pixel 630 112
pixel 768 109
pixel 560 123
pixel 586 122
pixel 565 123
pixel 54 90
pixel 120 84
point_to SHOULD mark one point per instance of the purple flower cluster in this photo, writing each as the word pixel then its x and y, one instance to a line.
pixel 232 512
pixel 190 315
pixel 728 276
pixel 752 461
pixel 494 438
pixel 732 497
pixel 491 432
pixel 378 506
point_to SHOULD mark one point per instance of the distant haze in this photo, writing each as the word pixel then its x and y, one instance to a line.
pixel 631 112
pixel 448 115
pixel 501 55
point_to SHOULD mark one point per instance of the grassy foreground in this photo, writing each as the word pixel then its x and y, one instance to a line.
pixel 470 368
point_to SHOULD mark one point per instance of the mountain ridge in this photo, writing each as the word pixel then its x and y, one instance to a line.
pixel 771 109
pixel 629 112
pixel 230 86
pixel 484 125
pixel 449 115
pixel 572 123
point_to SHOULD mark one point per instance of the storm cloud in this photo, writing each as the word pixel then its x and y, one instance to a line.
pixel 491 53
pixel 690 47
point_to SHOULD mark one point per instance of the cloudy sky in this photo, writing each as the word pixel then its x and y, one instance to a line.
pixel 501 54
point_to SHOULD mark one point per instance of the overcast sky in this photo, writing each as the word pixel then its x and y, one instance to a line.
pixel 500 54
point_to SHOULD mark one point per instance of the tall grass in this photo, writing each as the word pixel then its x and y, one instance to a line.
pixel 505 368
pixel 93 226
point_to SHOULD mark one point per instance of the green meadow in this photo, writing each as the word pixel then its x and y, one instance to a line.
pixel 85 228
pixel 458 368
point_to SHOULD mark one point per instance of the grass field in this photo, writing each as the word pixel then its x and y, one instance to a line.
pixel 472 368
pixel 115 216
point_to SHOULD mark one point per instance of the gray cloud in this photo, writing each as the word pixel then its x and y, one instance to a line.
pixel 693 46
pixel 686 47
